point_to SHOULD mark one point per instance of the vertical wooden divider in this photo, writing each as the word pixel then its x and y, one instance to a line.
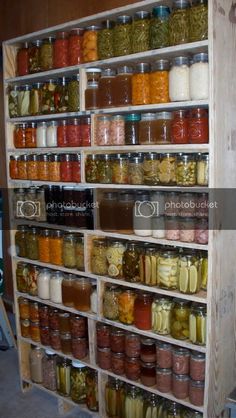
pixel 92 338
pixel 82 85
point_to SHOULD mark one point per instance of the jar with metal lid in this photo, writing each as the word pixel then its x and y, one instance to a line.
pixel 122 36
pixel 23 308
pixel 36 369
pixel 186 170
pixel 22 277
pixel 79 253
pixel 132 129
pixel 117 130
pixel 92 390
pixel 32 244
pixel 68 252
pixel 34 57
pixel 78 326
pixel 173 410
pixel 148 350
pixel 61 95
pixel 93 74
pixel 198 129
pixel 180 319
pixel 19 135
pixel 158 227
pixel 55 341
pixel 201 231
pixel 111 302
pixel 82 292
pixel 78 382
pixel 141 84
pixel 43 281
pixel 43 315
pixel 159 199
pixel 48 91
pixel 147 129
pixel 140 32
pixel 172 203
pixel 102 130
pixel 117 340
pixel 104 358
pixel 114 255
pixel 13 101
pixel 126 300
pixel 30 135
pixel 199 77
pixel 91 95
pixel 35 331
pixel 46 54
pixel 63 376
pixel 55 287
pixel 22 60
pixel 41 135
pixel 159 27
pixel 168 269
pixel 103 335
pixel 196 392
pixel 104 169
pixel 143 311
pixel 74 94
pixel 120 169
pixel 66 167
pixel 159 82
pixel 91 163
pixel 106 88
pixel 203 270
pixel 68 290
pixel 203 170
pixel 142 214
pixel 73 133
pixel 179 89
pixel 34 312
pixel 151 169
pixel 189 279
pixel 23 100
pixel 44 335
pixel 54 319
pixel 106 211
pixel 122 86
pixel 76 168
pixel 94 300
pixel 132 345
pixel 189 413
pixel 35 106
pixel 43 167
pixel 197 366
pixel 114 392
pixel 180 127
pixel 198 324
pixel 167 169
pixel 180 385
pixel 89 43
pixel 123 213
pixel 161 316
pixel 60 50
pixel 79 347
pixel 66 343
pixel 180 360
pixel 105 40
pixel 187 229
pixel 55 247
pixel 51 135
pixel 148 265
pixel 118 363
pixel 163 355
pixel 98 257
pixel 148 374
pixel 54 167
pixel 49 370
pixel 132 368
pixel 130 263
pixel 179 23
pixel 64 322
pixel 133 400
pixel 22 167
pixel 25 328
pixel 32 280
pixel 198 21
pixel 32 167
pixel 75 46
pixel 164 379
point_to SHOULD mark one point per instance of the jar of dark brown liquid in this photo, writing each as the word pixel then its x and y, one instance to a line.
pixel 106 211
pixel 68 290
pixel 124 213
pixel 66 347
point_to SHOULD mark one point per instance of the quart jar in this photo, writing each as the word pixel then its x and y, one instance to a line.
pixel 148 350
pixel 179 89
pixel 13 101
pixel 68 251
pixel 103 127
pixel 32 280
pixel 111 302
pixel 131 263
pixel 106 88
pixel 163 355
pixel 132 345
pixel 22 167
pixel 22 277
pixel 75 46
pixel 22 60
pixel 105 40
pixel 180 360
pixel 92 390
pixel 66 167
pixel 141 84
pixel 188 274
pixel 198 129
pixel 55 287
pixel 19 136
pixel 32 168
pixel 60 50
pixel 143 311
pixel 120 169
pixel 114 255
pixel 41 135
pixel 151 169
pixel 64 322
pixel 33 56
pixel 74 94
pixel 132 129
pixel 168 269
pixel 55 247
pixel 124 213
pixel 196 392
pixel 61 95
pixel 159 81
pixel 46 54
pixel 104 358
pixel 180 386
pixel 35 106
pixel 117 340
pixel 91 95
pixel 118 363
pixel 132 368
pixel 180 319
pixel 140 32
pixel 148 374
pixel 186 170
pixel 117 130
pixel 43 280
pixel 94 300
pixel 198 324
pixel 142 214
pixel 51 135
pixel 148 265
pixel 30 135
pixel 201 231
pixel 55 341
pixel 126 299
pixel 203 267
pixel 49 370
pixel 167 169
pixel 82 292
pixel 66 344
pixel 48 92
pixel 147 129
pixel 197 366
pixel 78 382
pixel 73 133
pixel 13 166
pixel 161 316
pixel 78 326
pixel 179 23
pixel 203 170
pixel 180 127
pixel 32 244
pixel 35 331
pixel 136 170
pixel 68 290
pixel 187 229
pixel 89 43
pixel 104 169
pixel 164 379
pixel 114 391
pixel 79 253
pixel 122 36
pixel 173 410
pixel 106 212
pixel 43 167
pixel 98 257
pixel 123 86
pixel 23 100
pixel 34 312
pixel 159 27
pixel 44 316
pixel 198 21
pixel 44 335
pixel 54 319
pixel 103 335
pixel 199 77
pixel 36 369
pixel 63 376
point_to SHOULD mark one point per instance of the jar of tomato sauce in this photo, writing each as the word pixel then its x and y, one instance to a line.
pixel 85 131
pixel 76 168
pixel 75 46
pixel 198 129
pixel 60 52
pixel 23 60
pixel 179 127
pixel 62 140
pixel 66 167
pixel 13 166
pixel 142 311
pixel 73 133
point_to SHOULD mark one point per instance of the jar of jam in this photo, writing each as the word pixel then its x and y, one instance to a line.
pixel 73 133
pixel 23 308
pixel 163 355
pixel 148 374
pixel 132 129
pixel 79 347
pixel 198 129
pixel 75 46
pixel 54 319
pixel 180 319
pixel 198 324
pixel 104 358
pixel 60 50
pixel 45 336
pixel 143 311
pixel 196 392
pixel 117 340
pixel 132 368
pixel 103 335
pixel 180 360
pixel 159 82
pixel 78 326
pixel 55 341
pixel 180 385
pixel 197 366
pixel 126 300
pixel 34 331
pixel 44 316
pixel 164 379
pixel 66 343
pixel 25 328
pixel 118 363
pixel 141 85
pixel 148 350
pixel 22 60
pixel 123 86
pixel 180 127
pixel 68 290
pixel 106 93
pixel 132 345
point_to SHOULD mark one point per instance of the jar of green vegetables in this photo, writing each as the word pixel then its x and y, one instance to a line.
pixel 61 95
pixel 63 376
pixel 104 169
pixel 179 23
pixel 46 54
pixel 105 40
pixel 159 27
pixel 114 398
pixel 140 31
pixel 74 94
pixel 198 20
pixel 78 382
pixel 32 250
pixel 122 36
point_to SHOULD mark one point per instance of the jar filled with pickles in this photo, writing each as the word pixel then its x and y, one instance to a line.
pixel 92 390
pixel 78 382
pixel 48 90
pixel 159 27
pixel 114 397
pixel 79 253
pixel 32 244
pixel 122 36
pixel 148 262
pixel 46 54
pixel 13 101
pixel 167 169
pixel 198 324
pixel 63 376
pixel 126 300
pixel 136 170
pixel 20 240
pixel 189 279
pixel 179 27
pixel 186 170
pixel 120 169
pixel 91 164
pixel 111 302
pixel 68 251
pixel 98 257
pixel 203 170
pixel 34 56
pixel 180 319
pixel 131 263
pixel 141 84
pixel 104 169
pixel 74 94
pixel 151 169
pixel 168 269
pixel 161 315
pixel 23 100
pixel 114 255
pixel 140 32
pixel 35 106
pixel 61 95
pixel 203 270
pixel 105 40
pixel 198 20
pixel 22 277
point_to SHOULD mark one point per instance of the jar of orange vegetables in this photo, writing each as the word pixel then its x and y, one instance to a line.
pixel 44 246
pixel 56 247
pixel 126 301
pixel 141 84
pixel 159 82
pixel 89 44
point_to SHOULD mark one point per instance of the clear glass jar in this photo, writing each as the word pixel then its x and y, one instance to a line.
pixel 94 300
pixel 32 169
pixel 33 57
pixel 196 392
pixel 201 231
pixel 199 77
pixel 48 92
pixel 173 410
pixel 126 299
pixel 164 380
pixel 92 390
pixel 34 312
pixel 117 340
pixel 123 213
pixel 54 167
pixel 159 81
pixel 111 302
pixel 106 211
pixel 187 229
pixel 43 281
pixel 55 287
pixel 203 170
pixel 159 27
pixel 180 360
pixel 131 263
pixel 198 21
pixel 93 74
pixel 46 54
pixel 89 43
pixel 23 308
pixel 91 95
pixel 186 170
pixel 82 292
pixel 198 324
pixel 49 370
pixel 147 129
pixel 63 376
pixel 133 400
pixel 120 169
pixel 68 290
pixel 123 86
pixel 136 170
pixel 25 328
pixel 66 343
pixel 189 279
pixel 132 129
pixel 132 368
pixel 114 397
pixel 44 335
pixel 103 127
pixel 55 247
pixel 13 101
pixel 141 84
pixel 61 95
pixel 180 319
pixel 23 100
pixel 105 40
pixel 54 319
pixel 167 169
pixel 41 135
pixel 75 46
pixel 148 265
pixel 36 369
pixel 117 130
pixel 74 94
pixel 35 331
pixel 98 257
pixel 79 253
pixel 44 316
pixel 179 23
pixel 163 355
pixel 180 127
pixel 78 382
pixel 73 133
pixel 114 255
pixel 60 50
pixel 168 269
pixel 203 270
pixel 140 32
pixel 197 366
pixel 104 358
pixel 32 280
pixel 22 277
pixel 117 363
pixel 122 36
pixel 179 88
pixel 132 345
pixel 187 205
pixel 143 211
pixel 103 335
pixel 22 167
pixel 151 169
pixel 104 169
pixel 22 60
pixel 68 252
pixel 180 385
pixel 51 135
pixel 35 106
pixel 32 244
pixel 19 136
pixel 161 316
pixel 106 88
pixel 143 311
pixel 198 129
pixel 148 374
pixel 158 227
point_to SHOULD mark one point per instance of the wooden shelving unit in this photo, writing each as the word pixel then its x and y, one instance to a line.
pixel 220 296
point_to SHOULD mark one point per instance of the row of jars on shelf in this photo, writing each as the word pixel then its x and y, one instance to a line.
pixel 148 168
pixel 125 36
pixel 69 379
pixel 126 401
pixel 64 133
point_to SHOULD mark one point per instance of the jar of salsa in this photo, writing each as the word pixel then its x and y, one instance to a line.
pixel 75 46
pixel 142 311
pixel 179 128
pixel 198 129
pixel 132 368
pixel 106 92
pixel 43 167
pixel 22 60
pixel 159 82
pixel 60 50
pixel 32 167
pixel 148 350
pixel 117 340
pixel 85 131
pixel 73 133
pixel 132 345
pixel 123 86
pixel 68 290
pixel 148 374
pixel 141 84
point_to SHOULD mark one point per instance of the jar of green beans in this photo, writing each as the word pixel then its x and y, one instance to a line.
pixel 198 20
pixel 73 94
pixel 179 22
pixel 159 27
pixel 140 32
pixel 122 35
pixel 105 40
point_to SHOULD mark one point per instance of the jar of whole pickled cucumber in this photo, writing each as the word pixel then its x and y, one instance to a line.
pixel 122 36
pixel 197 324
pixel 13 101
pixel 98 257
pixel 168 269
pixel 159 27
pixel 46 54
pixel 106 88
pixel 189 279
pixel 148 265
pixel 198 21
pixel 161 316
pixel 151 169
pixel 22 277
pixel 114 255
pixel 63 376
pixel 179 23
pixel 126 300
pixel 167 169
pixel 114 393
pixel 104 169
pixel 34 57
pixel 141 84
pixel 159 82
pixel 186 170
pixel 74 94
pixel 48 91
pixel 89 43
pixel 180 319
pixel 92 390
pixel 68 251
pixel 203 270
pixel 111 302
pixel 136 170
pixel 203 170
pixel 23 100
pixel 91 164
pixel 132 129
pixel 140 32
pixel 75 46
pixel 105 40
pixel 179 88
pixel 78 382
pixel 120 169
pixel 35 106
pixel 147 129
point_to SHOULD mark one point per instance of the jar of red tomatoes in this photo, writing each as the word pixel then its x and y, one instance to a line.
pixel 76 168
pixel 62 140
pixel 143 311
pixel 198 129
pixel 75 46
pixel 73 133
pixel 85 131
pixel 23 60
pixel 117 340
pixel 66 167
pixel 132 368
pixel 179 127
pixel 103 335
pixel 60 51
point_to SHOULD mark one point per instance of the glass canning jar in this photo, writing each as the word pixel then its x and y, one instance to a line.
pixel 123 213
pixel 23 308
pixel 180 319
pixel 198 129
pixel 172 202
pixel 75 46
pixel 132 129
pixel 159 82
pixel 102 129
pixel 179 23
pixel 114 255
pixel 147 129
pixel 180 386
pixel 82 292
pixel 196 392
pixel 140 32
pixel 180 360
pixel 98 257
pixel 117 363
pixel 161 316
pixel 20 240
pixel 132 368
pixel 34 54
pixel 68 251
pixel 122 36
pixel 46 54
pixel 36 369
pixel 63 376
pixel 106 88
pixel 91 95
pixel 198 21
pixel 179 88
pixel 60 50
pixel 66 347
pixel 151 169
pixel 104 169
pixel 43 281
pixel 203 270
pixel 55 287
pixel 132 345
pixel 44 315
pixel 141 84
pixel 201 231
pixel 32 167
pixel 35 105
pixel 104 358
pixel 74 94
pixel 111 302
pixel 168 269
pixel 22 60
pixel 55 341
pixel 93 74
pixel 66 167
pixel 13 101
pixel 32 244
pixel 164 379
pixel 136 170
pixel 103 335
pixel 105 40
pixel 163 355
pixel 19 136
pixel 30 135
pixel 49 370
pixel 199 77
pixel 148 374
pixel 51 135
pixel 22 277
pixel 114 392
pixel 189 279
pixel 89 43
pixel 167 169
pixel 54 167
pixel 25 328
pixel 61 95
pixel 78 382
pixel 78 326
pixel 198 324
pixel 117 130
pixel 76 168
pixel 186 170
pixel 106 211
pixel 34 312
pixel 35 331
pixel 126 300
pixel 131 263
pixel 32 280
pixel 159 27
pixel 187 229
pixel 73 133
pixel 55 247
pixel 197 366
pixel 54 319
pixel 123 86
pixel 22 167
pixel 148 265
pixel 23 100
pixel 48 91
pixel 120 169
pixel 79 253
pixel 117 340
pixel 180 127
pixel 68 290
pixel 41 135
pixel 203 170
pixel 143 311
